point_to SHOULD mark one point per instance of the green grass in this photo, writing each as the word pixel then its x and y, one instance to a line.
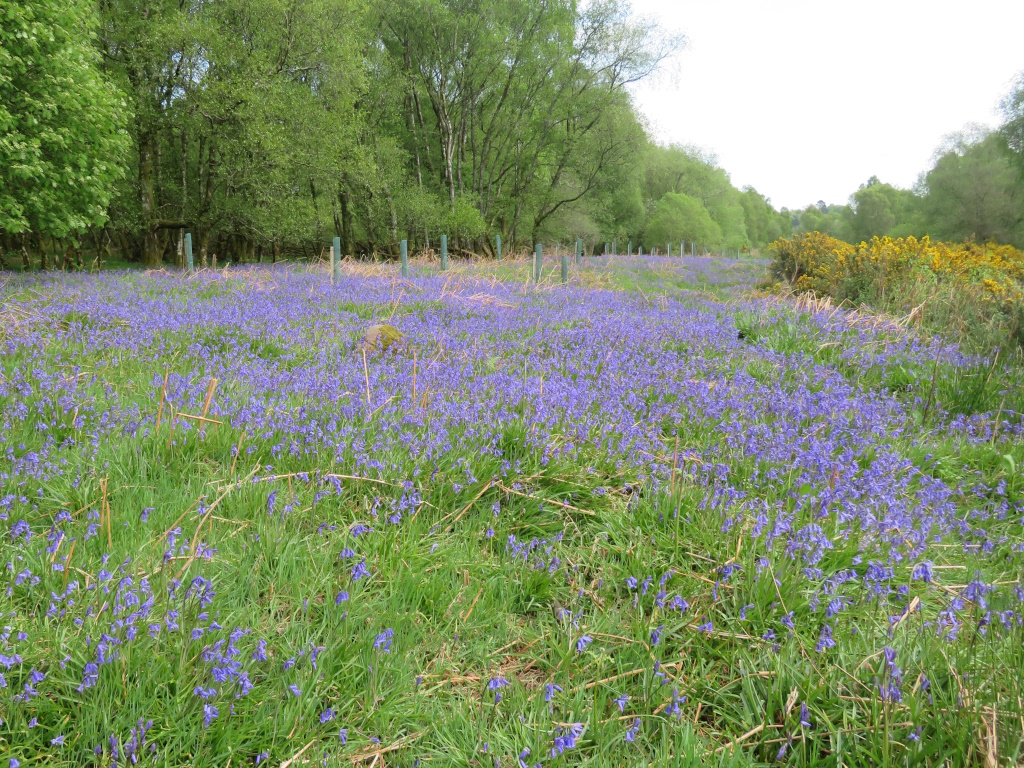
pixel 464 611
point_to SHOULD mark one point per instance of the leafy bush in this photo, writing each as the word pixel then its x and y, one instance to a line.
pixel 972 292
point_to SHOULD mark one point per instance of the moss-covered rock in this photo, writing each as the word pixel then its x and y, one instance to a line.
pixel 382 337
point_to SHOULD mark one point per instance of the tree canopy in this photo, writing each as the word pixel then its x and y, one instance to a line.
pixel 62 136
pixel 265 128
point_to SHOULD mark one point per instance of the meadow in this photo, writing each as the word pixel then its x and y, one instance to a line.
pixel 645 518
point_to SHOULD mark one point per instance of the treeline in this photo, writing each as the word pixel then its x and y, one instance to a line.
pixel 266 127
pixel 974 191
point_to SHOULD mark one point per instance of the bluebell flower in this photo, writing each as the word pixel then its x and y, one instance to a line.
pixel 805 716
pixel 825 639
pixel 359 571
pixel 383 641
pixel 566 738
pixel 210 714
pixel 922 572
pixel 494 684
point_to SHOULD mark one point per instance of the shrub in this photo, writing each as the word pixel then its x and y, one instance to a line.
pixel 970 291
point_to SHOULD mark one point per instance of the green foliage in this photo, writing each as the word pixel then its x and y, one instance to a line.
pixel 877 209
pixel 1013 120
pixel 763 222
pixel 975 192
pixel 680 217
pixel 832 220
pixel 690 172
pixel 62 137
pixel 244 114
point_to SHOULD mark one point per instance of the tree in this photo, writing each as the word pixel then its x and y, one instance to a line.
pixel 877 209
pixel 520 105
pixel 679 217
pixel 762 221
pixel 835 221
pixel 974 191
pixel 244 119
pixel 62 137
pixel 692 172
pixel 1013 120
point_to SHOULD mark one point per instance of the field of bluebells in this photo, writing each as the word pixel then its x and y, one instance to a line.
pixel 642 519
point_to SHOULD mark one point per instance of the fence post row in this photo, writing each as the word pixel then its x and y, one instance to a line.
pixel 188 252
pixel 538 257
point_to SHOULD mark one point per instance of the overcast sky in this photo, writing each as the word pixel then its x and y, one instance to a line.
pixel 807 100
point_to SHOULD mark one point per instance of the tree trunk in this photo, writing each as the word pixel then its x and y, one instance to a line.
pixel 394 215
pixel 346 223
pixel 316 210
pixel 44 263
pixel 152 248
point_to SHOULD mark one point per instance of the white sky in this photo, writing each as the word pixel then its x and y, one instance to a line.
pixel 807 100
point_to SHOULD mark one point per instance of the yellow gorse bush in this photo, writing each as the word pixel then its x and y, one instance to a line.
pixel 820 263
